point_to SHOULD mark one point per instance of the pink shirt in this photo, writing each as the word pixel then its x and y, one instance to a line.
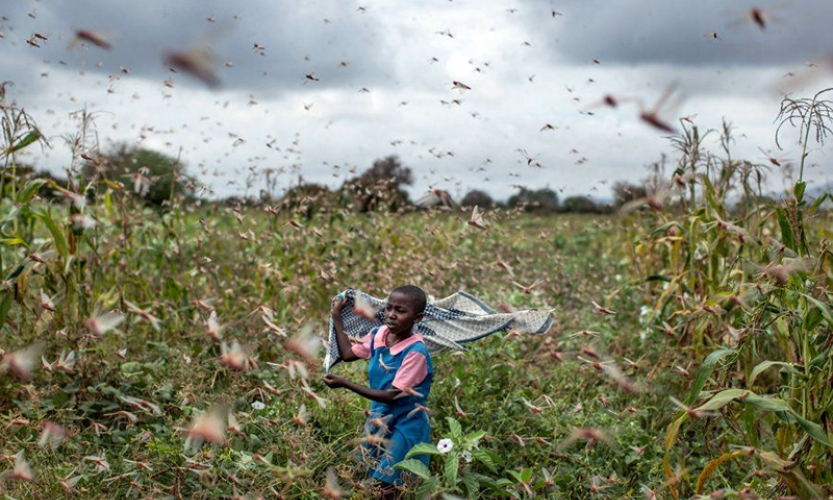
pixel 414 367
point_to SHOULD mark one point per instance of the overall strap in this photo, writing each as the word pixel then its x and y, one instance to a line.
pixel 373 338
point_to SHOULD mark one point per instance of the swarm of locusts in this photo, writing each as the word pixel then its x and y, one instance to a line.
pixel 175 352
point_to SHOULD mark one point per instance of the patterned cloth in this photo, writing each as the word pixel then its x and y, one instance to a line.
pixel 447 324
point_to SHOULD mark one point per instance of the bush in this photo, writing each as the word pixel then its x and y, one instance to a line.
pixel 543 200
pixel 478 198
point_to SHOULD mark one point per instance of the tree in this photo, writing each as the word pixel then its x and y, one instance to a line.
pixel 306 199
pixel 543 200
pixel 154 176
pixel 478 198
pixel 380 187
pixel 581 205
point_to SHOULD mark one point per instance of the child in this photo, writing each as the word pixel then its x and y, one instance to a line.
pixel 399 375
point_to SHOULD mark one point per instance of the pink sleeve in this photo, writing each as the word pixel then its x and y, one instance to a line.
pixel 362 349
pixel 412 371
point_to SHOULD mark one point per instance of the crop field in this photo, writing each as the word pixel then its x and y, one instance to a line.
pixel 177 353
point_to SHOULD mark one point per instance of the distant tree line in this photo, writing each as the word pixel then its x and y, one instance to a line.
pixel 157 178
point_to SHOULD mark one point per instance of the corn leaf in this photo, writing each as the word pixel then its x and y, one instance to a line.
pixel 816 204
pixel 705 372
pixel 28 192
pixel 55 231
pixel 814 430
pixel 824 308
pixel 768 364
pixel 792 475
pixel 26 140
pixel 11 242
pixel 722 398
pixel 779 407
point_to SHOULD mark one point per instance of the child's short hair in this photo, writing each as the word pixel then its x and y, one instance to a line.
pixel 414 293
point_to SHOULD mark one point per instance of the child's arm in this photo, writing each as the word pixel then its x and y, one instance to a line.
pixel 380 396
pixel 345 349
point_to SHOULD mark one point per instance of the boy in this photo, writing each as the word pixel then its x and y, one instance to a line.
pixel 399 375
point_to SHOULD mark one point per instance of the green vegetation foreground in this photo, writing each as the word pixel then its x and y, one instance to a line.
pixel 152 355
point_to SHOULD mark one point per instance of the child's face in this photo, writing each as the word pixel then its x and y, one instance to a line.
pixel 400 313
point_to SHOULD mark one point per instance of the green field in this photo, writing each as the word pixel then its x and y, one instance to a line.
pixel 114 369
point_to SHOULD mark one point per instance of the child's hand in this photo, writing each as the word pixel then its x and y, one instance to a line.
pixel 334 381
pixel 338 306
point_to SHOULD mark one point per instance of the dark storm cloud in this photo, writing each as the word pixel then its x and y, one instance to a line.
pixel 681 33
pixel 263 47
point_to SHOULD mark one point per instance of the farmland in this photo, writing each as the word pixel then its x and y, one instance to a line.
pixel 154 353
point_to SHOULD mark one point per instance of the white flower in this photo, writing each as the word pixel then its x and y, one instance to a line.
pixel 445 445
pixel 466 456
pixel 258 405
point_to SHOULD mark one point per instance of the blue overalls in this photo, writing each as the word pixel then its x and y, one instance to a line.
pixel 397 424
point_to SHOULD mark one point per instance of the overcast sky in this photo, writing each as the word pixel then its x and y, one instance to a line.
pixel 381 84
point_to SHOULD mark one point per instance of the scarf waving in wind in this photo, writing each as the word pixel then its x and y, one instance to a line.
pixel 448 323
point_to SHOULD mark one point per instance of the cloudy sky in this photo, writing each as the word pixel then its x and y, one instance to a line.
pixel 321 88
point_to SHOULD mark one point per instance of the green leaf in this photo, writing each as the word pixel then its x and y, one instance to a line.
pixel 767 404
pixel 472 438
pixel 487 458
pixel 422 449
pixel 452 466
pixel 814 430
pixel 723 398
pixel 816 204
pixel 415 467
pixel 11 242
pixel 28 191
pixel 5 305
pixel 778 406
pixel 767 364
pixel 787 237
pixel 55 231
pixel 471 484
pixel 799 191
pixel 749 420
pixel 455 428
pixel 482 479
pixel 515 474
pixel 27 140
pixel 824 308
pixel 426 489
pixel 705 372
pixel 710 192
pixel 17 271
pixel 792 475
